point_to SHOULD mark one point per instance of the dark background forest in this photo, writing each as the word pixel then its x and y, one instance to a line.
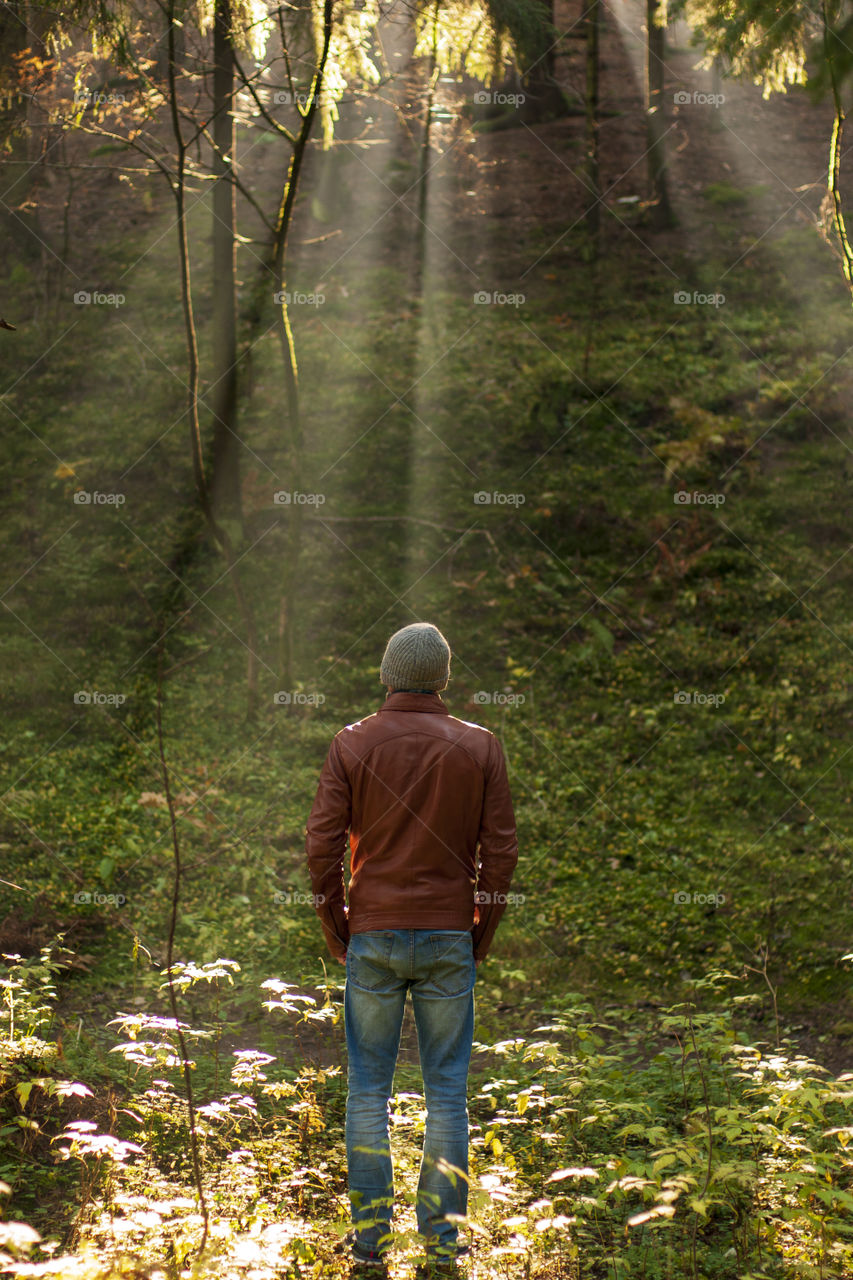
pixel 529 320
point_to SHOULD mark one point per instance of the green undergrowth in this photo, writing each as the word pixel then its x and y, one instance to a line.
pixel 603 1143
pixel 650 611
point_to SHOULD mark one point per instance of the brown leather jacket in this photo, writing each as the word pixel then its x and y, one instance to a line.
pixel 426 802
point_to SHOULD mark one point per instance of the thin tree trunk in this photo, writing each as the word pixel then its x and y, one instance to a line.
pixel 219 534
pixel 656 115
pixel 423 167
pixel 225 473
pixel 295 511
pixel 544 99
pixel 833 189
pixel 177 874
pixel 592 23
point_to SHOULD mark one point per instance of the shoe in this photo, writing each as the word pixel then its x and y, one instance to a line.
pixel 375 1264
pixel 373 1260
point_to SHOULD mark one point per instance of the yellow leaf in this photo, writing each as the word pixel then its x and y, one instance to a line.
pixel 560 1174
pixel 659 1211
pixel 66 470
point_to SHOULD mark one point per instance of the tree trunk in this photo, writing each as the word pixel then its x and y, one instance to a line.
pixel 19 218
pixel 225 473
pixel 423 168
pixel 544 99
pixel 219 532
pixel 592 23
pixel 281 233
pixel 656 115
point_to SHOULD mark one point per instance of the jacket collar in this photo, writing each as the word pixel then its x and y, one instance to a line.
pixel 414 702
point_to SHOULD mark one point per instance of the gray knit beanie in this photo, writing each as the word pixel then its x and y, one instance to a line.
pixel 416 657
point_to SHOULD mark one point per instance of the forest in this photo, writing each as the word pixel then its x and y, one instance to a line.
pixel 530 319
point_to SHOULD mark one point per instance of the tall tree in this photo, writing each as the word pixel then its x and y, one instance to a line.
pixel 655 111
pixel 225 493
pixel 592 27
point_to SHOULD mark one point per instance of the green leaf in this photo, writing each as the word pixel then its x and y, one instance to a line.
pixel 601 633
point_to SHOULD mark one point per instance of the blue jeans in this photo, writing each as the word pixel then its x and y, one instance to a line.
pixel 437 965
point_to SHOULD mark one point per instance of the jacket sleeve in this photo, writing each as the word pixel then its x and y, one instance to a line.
pixel 498 852
pixel 325 846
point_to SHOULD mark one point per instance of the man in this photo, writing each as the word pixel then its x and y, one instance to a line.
pixel 426 802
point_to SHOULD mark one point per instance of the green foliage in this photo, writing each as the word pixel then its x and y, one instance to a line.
pixel 757 39
pixel 465 38
pixel 647 1126
pixel 661 1139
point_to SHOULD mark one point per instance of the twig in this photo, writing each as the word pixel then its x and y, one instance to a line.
pixel 173 920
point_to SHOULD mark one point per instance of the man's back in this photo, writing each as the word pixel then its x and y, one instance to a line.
pixel 418 790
